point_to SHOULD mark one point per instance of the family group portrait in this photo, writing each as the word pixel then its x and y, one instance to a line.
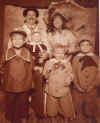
pixel 49 61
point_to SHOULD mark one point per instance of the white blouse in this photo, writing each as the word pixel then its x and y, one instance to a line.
pixel 65 37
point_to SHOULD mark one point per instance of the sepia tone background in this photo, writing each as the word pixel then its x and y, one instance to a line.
pixel 84 17
pixel 83 20
pixel 14 18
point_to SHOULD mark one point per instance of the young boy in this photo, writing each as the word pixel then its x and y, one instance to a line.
pixel 58 72
pixel 37 46
pixel 18 78
pixel 86 81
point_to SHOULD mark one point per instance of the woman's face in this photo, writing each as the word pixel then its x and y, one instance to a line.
pixel 31 17
pixel 58 22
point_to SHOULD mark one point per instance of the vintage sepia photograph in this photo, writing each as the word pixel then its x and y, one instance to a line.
pixel 49 61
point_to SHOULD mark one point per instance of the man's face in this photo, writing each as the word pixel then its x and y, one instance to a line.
pixel 17 41
pixel 31 17
pixel 85 47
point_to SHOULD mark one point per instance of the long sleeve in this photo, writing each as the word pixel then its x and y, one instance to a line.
pixel 46 69
pixel 65 38
pixel 2 63
pixel 75 67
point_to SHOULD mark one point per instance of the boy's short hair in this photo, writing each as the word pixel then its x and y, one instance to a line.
pixel 20 32
pixel 30 9
pixel 85 40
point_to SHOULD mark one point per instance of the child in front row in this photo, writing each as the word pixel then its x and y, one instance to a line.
pixel 18 78
pixel 58 74
pixel 86 83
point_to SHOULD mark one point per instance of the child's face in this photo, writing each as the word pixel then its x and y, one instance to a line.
pixel 17 40
pixel 58 22
pixel 59 53
pixel 85 47
pixel 36 37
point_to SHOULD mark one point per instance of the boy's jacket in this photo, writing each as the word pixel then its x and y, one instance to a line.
pixel 86 71
pixel 59 76
pixel 17 71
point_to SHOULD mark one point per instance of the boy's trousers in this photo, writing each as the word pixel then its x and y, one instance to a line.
pixel 61 105
pixel 17 106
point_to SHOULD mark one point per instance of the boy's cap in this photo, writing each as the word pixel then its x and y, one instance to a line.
pixel 21 32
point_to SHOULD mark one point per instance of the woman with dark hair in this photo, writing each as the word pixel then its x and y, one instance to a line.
pixel 30 24
pixel 30 9
pixel 52 27
pixel 59 34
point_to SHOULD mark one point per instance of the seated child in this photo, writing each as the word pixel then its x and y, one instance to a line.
pixel 58 73
pixel 86 80
pixel 18 78
pixel 37 46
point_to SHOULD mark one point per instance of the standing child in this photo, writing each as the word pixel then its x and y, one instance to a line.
pixel 38 50
pixel 18 78
pixel 86 81
pixel 58 72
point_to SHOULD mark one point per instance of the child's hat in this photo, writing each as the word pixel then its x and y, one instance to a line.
pixel 18 31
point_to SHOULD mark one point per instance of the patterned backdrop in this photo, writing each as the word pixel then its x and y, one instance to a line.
pixel 83 20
